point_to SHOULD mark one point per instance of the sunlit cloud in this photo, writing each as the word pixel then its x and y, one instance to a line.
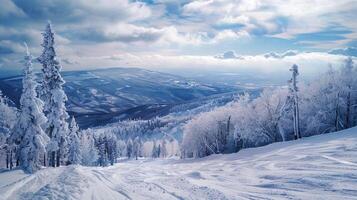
pixel 181 31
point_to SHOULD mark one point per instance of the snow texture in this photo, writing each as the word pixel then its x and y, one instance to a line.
pixel 317 167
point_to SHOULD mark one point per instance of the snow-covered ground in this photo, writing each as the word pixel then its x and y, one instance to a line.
pixel 319 167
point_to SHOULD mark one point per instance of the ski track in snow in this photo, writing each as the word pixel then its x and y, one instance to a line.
pixel 320 167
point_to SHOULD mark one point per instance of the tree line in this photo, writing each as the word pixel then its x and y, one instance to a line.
pixel 323 105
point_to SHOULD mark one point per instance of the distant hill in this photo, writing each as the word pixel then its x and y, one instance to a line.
pixel 98 96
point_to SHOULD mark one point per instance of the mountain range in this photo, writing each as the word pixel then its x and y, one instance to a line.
pixel 97 97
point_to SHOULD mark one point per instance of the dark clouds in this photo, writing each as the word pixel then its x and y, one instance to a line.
pixel 74 22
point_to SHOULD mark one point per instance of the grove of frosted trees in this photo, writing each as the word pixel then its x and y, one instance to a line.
pixel 39 132
pixel 299 110
pixel 7 123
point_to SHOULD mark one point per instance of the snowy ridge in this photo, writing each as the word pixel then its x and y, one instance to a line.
pixel 286 170
pixel 95 97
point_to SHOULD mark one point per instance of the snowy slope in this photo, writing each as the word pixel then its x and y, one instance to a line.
pixel 319 167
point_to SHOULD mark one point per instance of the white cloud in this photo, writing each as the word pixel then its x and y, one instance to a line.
pixel 229 34
pixel 8 9
pixel 310 63
pixel 277 18
pixel 281 55
pixel 350 51
pixel 10 46
pixel 101 29
pixel 228 55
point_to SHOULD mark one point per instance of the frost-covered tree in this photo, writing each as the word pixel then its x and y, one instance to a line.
pixel 129 148
pixel 293 89
pixel 349 86
pixel 54 98
pixel 7 122
pixel 276 114
pixel 154 150
pixel 137 145
pixel 268 110
pixel 102 151
pixel 88 150
pixel 74 152
pixel 121 148
pixel 321 105
pixel 112 148
pixel 324 102
pixel 208 133
pixel 107 148
pixel 163 149
pixel 7 119
pixel 28 133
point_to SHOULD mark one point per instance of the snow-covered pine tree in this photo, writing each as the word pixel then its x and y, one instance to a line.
pixel 28 133
pixel 293 89
pixel 7 122
pixel 102 151
pixel 112 148
pixel 121 148
pixel 54 98
pixel 74 151
pixel 88 149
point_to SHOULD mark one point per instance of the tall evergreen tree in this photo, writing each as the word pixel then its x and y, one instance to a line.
pixel 74 152
pixel 112 148
pixel 54 98
pixel 28 133
pixel 102 150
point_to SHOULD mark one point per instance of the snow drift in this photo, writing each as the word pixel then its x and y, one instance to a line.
pixel 318 167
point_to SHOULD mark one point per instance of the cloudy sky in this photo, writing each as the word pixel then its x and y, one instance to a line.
pixel 167 34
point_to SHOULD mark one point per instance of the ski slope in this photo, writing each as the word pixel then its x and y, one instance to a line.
pixel 319 167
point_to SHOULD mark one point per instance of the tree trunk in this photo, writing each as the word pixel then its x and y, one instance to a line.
pixel 52 160
pixel 337 112
pixel 348 108
pixel 295 125
pixel 298 117
pixel 10 160
pixel 58 158
pixel 297 134
pixel 7 160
